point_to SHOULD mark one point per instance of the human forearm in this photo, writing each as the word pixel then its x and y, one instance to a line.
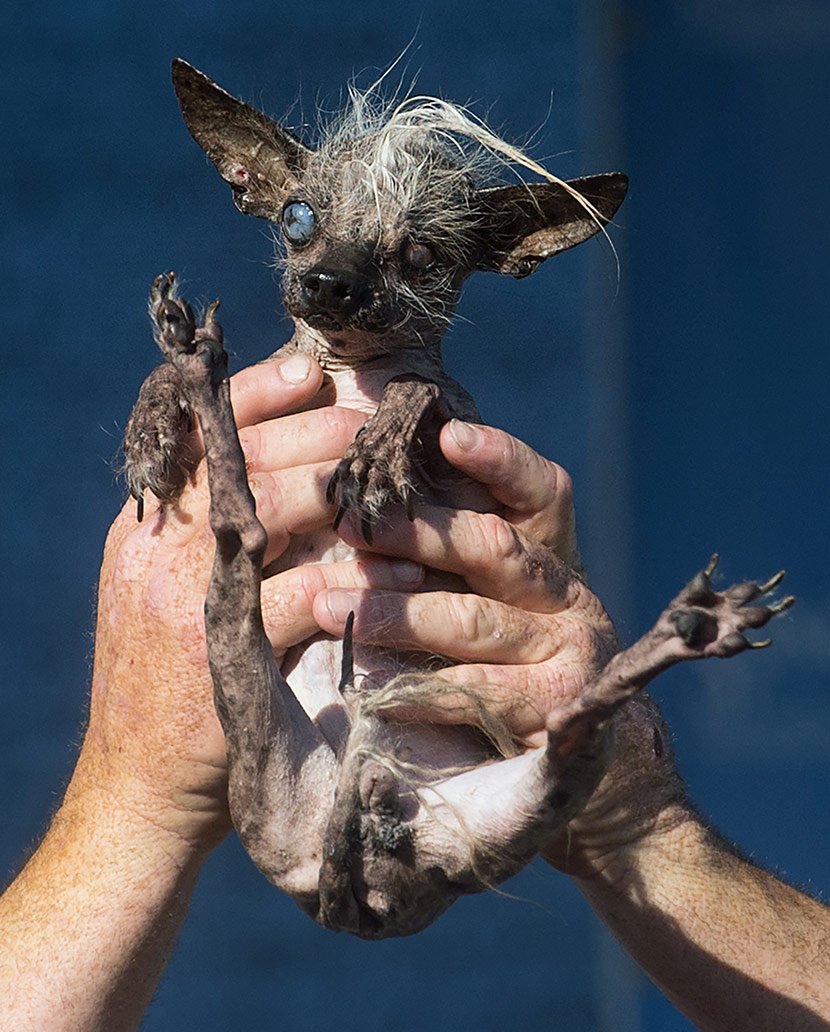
pixel 733 947
pixel 88 925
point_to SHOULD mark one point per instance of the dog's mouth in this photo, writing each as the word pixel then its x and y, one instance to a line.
pixel 323 321
pixel 353 334
pixel 358 323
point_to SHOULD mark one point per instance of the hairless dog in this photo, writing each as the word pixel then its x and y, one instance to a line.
pixel 374 826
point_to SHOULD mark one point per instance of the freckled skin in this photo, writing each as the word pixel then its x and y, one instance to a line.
pixel 361 844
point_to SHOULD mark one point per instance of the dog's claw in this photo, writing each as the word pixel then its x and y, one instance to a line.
pixel 347 661
pixel 773 582
pixel 408 499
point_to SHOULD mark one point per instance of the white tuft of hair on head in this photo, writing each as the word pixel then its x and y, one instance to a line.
pixel 422 154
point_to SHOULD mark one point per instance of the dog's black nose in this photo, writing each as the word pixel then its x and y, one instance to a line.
pixel 338 291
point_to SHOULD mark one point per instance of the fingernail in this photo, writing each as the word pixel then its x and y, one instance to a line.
pixel 295 369
pixel 340 604
pixel 464 435
pixel 407 573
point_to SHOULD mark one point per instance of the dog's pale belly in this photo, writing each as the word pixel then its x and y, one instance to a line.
pixel 313 670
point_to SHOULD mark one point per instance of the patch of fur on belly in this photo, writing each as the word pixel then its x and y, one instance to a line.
pixel 414 691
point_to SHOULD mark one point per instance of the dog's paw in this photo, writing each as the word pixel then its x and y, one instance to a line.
pixel 155 451
pixel 712 623
pixel 378 471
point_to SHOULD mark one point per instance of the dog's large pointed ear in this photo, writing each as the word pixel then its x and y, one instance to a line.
pixel 525 224
pixel 258 158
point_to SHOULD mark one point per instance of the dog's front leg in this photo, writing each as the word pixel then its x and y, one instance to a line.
pixel 395 456
pixel 155 451
pixel 281 770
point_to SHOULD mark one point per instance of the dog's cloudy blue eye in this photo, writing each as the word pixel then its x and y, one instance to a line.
pixel 298 222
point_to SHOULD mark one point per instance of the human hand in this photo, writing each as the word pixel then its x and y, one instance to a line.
pixel 523 627
pixel 154 744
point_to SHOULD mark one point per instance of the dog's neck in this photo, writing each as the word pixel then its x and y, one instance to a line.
pixel 350 350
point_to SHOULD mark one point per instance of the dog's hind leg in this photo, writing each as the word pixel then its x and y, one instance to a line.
pixel 492 819
pixel 279 762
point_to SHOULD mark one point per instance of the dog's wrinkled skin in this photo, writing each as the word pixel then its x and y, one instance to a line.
pixel 373 826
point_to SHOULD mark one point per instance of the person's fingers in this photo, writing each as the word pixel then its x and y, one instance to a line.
pixel 260 392
pixel 299 439
pixel 265 391
pixel 520 665
pixel 522 696
pixel 273 388
pixel 494 557
pixel 288 501
pixel 537 492
pixel 462 627
pixel 288 598
pixel 291 501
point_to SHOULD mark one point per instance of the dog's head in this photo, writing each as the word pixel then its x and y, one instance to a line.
pixel 382 222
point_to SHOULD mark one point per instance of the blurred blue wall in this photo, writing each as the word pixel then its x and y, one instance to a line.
pixel 689 401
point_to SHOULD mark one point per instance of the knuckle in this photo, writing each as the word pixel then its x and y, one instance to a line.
pixel 250 439
pixel 592 612
pixel 561 484
pixel 288 606
pixel 468 619
pixel 507 447
pixel 564 680
pixel 554 522
pixel 550 682
pixel 268 491
pixel 496 542
pixel 342 424
pixel 192 630
pixel 171 599
pixel 595 650
pixel 276 611
pixel 307 584
pixel 131 560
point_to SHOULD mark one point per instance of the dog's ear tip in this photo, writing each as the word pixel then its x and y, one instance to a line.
pixel 185 75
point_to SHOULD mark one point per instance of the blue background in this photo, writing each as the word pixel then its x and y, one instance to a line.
pixel 690 405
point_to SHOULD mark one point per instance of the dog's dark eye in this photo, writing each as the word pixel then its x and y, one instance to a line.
pixel 419 256
pixel 298 223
